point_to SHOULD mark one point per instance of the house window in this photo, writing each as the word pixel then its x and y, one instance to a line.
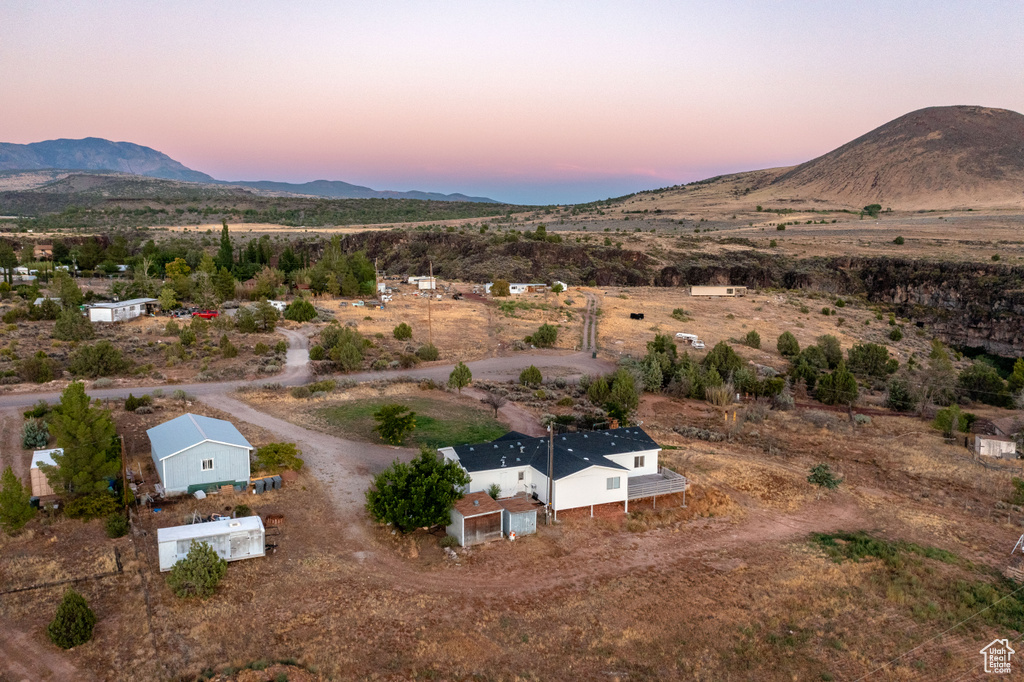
pixel 521 474
pixel 638 462
pixel 207 465
pixel 613 483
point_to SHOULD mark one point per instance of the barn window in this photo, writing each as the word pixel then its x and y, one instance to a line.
pixel 207 464
pixel 521 475
pixel 613 483
pixel 638 462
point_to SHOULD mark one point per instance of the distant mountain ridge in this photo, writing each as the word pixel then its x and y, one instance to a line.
pixel 98 154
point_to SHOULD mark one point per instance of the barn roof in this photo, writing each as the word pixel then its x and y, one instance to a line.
pixel 189 430
pixel 574 452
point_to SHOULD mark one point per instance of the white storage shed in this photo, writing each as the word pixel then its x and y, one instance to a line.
pixel 40 484
pixel 995 446
pixel 232 539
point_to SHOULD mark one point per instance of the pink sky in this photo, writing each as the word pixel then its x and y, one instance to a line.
pixel 528 101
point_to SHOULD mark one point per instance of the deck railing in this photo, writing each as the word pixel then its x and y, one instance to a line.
pixel 670 483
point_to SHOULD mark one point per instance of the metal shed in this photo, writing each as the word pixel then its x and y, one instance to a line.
pixel 519 516
pixel 119 311
pixel 40 484
pixel 476 519
pixel 193 452
pixel 232 539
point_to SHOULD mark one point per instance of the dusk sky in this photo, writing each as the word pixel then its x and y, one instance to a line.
pixel 533 102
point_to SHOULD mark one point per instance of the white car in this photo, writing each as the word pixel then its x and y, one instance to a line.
pixel 698 344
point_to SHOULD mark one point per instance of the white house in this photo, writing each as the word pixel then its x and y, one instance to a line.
pixel 521 288
pixel 995 446
pixel 232 539
pixel 423 283
pixel 590 467
pixel 193 452
pixel 119 311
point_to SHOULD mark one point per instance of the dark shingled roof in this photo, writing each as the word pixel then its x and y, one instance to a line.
pixel 573 451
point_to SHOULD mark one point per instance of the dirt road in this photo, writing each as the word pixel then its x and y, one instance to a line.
pixel 24 659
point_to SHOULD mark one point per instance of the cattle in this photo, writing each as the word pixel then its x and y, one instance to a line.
pixel 636 316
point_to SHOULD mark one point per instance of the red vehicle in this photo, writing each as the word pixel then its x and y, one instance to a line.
pixel 206 314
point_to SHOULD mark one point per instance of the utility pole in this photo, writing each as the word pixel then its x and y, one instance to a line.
pixel 551 468
pixel 430 326
pixel 376 280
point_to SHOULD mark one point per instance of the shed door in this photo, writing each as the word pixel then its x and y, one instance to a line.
pixel 239 545
pixel 478 528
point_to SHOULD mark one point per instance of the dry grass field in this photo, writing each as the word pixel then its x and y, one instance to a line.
pixel 730 587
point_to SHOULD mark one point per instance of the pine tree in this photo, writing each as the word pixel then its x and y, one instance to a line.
pixel 86 434
pixel 226 255
pixel 224 284
pixel 73 624
pixel 460 377
pixel 198 574
pixel 15 509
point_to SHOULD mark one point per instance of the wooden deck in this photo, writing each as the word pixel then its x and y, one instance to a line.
pixel 665 482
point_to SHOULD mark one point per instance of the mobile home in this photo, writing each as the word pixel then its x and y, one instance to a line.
pixel 718 291
pixel 120 311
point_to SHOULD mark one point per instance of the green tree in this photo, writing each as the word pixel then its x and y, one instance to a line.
pixel 787 345
pixel 101 359
pixel 73 623
pixel 168 299
pixel 623 397
pixel 752 339
pixel 598 391
pixel 545 336
pixel 821 475
pixel 937 380
pixel 66 289
pixel 199 573
pixel 39 368
pixel 224 284
pixel 402 332
pixel 394 422
pixel 500 287
pixel 950 420
pixel 15 509
pixel 899 396
pixel 531 376
pixel 245 321
pixel 427 352
pixel 870 359
pixel 873 210
pixel 72 325
pixel 34 434
pixel 417 494
pixel 86 435
pixel 830 350
pixel 8 261
pixel 723 358
pixel 300 311
pixel 460 377
pixel 981 382
pixel 837 388
pixel 277 456
pixel 557 288
pixel 177 268
pixel 1016 381
pixel 265 315
pixel 226 253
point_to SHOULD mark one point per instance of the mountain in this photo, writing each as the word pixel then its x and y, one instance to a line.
pixel 93 153
pixel 939 157
pixel 97 154
pixel 336 189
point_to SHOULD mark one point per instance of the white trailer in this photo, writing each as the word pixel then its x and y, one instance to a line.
pixel 232 539
pixel 718 291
